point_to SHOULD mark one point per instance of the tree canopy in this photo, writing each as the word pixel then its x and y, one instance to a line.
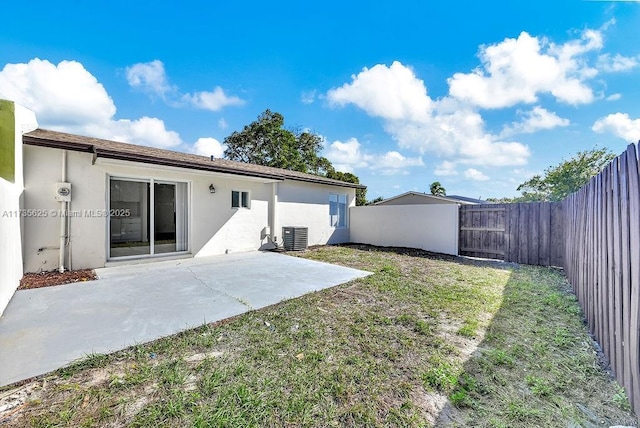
pixel 565 178
pixel 437 189
pixel 266 142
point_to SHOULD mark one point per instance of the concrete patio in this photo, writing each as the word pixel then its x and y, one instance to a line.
pixel 45 329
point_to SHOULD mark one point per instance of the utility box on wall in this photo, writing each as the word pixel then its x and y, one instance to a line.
pixel 63 192
pixel 295 238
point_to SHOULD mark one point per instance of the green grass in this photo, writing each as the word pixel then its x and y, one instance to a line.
pixel 537 365
pixel 505 347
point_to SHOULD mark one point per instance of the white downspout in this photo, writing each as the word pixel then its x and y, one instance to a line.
pixel 63 216
pixel 274 213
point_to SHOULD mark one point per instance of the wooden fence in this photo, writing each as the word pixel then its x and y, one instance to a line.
pixel 528 233
pixel 602 262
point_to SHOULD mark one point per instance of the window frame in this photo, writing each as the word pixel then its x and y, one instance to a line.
pixel 241 195
pixel 339 224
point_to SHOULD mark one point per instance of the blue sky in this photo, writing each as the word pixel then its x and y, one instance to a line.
pixel 477 95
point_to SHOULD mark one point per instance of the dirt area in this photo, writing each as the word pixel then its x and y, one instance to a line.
pixel 48 279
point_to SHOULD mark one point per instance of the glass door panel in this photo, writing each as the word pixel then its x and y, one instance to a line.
pixel 182 217
pixel 164 225
pixel 129 226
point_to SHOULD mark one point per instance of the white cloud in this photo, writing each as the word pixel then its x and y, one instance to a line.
pixel 208 147
pixel 517 70
pixel 394 160
pixel 215 100
pixel 308 97
pixel 150 77
pixel 614 97
pixel 392 93
pixel 513 71
pixel 616 63
pixel 474 174
pixel 446 169
pixel 460 136
pixel 534 120
pixel 64 94
pixel 66 97
pixel 145 131
pixel 347 156
pixel 445 127
pixel 620 125
pixel 222 124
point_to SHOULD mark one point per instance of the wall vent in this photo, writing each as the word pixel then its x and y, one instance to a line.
pixel 295 238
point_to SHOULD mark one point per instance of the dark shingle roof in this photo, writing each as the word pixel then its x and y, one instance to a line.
pixel 151 155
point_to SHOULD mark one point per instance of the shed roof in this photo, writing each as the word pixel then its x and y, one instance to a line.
pixel 442 199
pixel 151 155
pixel 467 199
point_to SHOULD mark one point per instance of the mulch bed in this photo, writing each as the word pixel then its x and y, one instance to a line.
pixel 48 279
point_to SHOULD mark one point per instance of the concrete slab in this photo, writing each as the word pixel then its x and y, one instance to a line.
pixel 44 329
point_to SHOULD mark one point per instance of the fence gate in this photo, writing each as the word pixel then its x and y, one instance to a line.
pixel 482 231
pixel 528 233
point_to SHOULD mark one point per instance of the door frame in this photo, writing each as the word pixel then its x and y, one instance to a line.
pixel 151 213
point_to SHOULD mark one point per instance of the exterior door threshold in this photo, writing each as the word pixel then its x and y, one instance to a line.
pixel 147 259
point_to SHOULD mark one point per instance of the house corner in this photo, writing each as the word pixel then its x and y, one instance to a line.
pixel 14 121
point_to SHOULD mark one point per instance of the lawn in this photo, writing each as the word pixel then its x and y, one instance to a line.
pixel 426 340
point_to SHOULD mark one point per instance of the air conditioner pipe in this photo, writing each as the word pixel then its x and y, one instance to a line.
pixel 63 216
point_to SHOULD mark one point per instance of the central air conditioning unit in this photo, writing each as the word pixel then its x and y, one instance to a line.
pixel 295 238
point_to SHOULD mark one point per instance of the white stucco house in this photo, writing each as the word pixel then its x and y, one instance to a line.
pixel 79 202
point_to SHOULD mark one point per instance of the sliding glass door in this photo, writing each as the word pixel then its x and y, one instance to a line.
pixel 148 217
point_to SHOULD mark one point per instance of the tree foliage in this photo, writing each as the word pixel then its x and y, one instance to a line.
pixel 266 142
pixel 437 189
pixel 566 177
pixel 504 200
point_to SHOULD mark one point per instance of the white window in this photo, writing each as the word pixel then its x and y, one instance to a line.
pixel 240 199
pixel 337 210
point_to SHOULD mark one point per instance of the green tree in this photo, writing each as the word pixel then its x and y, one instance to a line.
pixel 565 178
pixel 266 142
pixel 437 189
pixel 376 200
pixel 504 200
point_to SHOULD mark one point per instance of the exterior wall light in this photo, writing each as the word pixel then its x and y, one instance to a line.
pixel 212 189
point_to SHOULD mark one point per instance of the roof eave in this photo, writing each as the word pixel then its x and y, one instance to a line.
pixel 328 183
pixel 134 157
pixel 54 144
